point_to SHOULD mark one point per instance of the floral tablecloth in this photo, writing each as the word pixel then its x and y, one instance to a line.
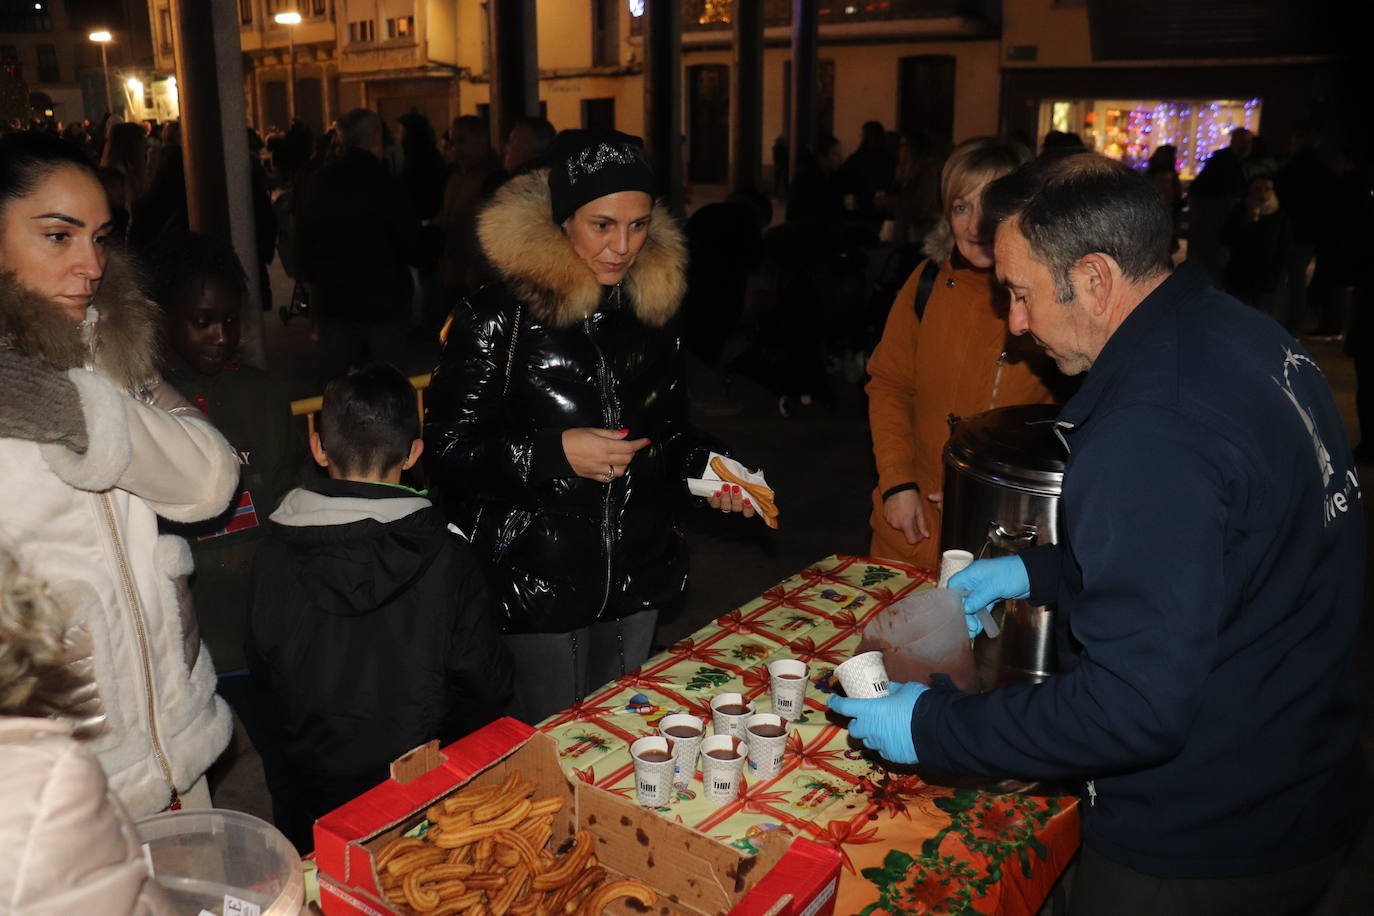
pixel 907 847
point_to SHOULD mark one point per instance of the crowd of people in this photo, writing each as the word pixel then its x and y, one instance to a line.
pixel 175 549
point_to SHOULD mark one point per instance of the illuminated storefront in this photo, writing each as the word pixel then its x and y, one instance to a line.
pixel 1130 130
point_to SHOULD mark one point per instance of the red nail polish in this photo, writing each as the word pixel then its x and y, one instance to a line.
pixel 648 442
pixel 735 489
pixel 747 503
pixel 624 432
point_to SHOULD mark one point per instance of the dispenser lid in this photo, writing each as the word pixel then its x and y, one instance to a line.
pixel 1011 446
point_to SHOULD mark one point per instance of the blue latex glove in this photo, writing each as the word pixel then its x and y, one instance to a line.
pixel 884 724
pixel 986 581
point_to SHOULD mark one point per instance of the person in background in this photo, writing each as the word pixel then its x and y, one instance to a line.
pixel 371 628
pixel 356 239
pixel 1162 170
pixel 1217 188
pixel 527 141
pixel 124 169
pixel 1301 185
pixel 945 351
pixel 201 287
pixel 73 846
pixel 474 170
pixel 867 173
pixel 915 197
pixel 1259 239
pixel 556 421
pixel 92 458
pixel 1207 584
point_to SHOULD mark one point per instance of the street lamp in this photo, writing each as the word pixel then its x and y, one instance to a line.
pixel 103 38
pixel 290 20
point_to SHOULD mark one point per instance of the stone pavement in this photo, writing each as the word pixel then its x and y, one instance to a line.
pixel 819 461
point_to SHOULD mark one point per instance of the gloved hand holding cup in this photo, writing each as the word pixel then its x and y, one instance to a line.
pixel 987 581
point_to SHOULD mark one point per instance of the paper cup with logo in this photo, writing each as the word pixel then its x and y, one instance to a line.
pixel 863 676
pixel 653 757
pixel 722 760
pixel 787 679
pixel 767 737
pixel 686 744
pixel 951 562
pixel 730 723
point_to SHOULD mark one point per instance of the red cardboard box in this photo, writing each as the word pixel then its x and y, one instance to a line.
pixel 693 874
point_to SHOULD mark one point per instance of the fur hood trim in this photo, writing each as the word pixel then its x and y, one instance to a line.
pixel 118 338
pixel 938 244
pixel 530 251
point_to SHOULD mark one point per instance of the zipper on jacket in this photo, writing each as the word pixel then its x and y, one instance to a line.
pixel 141 630
pixel 1091 786
pixel 611 412
pixel 997 379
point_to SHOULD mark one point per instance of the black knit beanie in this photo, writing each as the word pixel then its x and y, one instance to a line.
pixel 587 164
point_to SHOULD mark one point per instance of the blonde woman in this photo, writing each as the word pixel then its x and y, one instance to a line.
pixel 945 350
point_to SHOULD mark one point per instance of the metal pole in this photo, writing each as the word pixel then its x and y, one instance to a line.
pixel 105 65
pixel 514 65
pixel 291 72
pixel 746 99
pixel 663 97
pixel 805 31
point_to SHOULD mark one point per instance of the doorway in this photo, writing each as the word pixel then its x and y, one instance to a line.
pixel 708 128
pixel 925 96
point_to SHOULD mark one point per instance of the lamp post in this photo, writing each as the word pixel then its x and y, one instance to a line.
pixel 103 38
pixel 290 20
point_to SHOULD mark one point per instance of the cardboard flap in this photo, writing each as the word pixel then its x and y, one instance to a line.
pixel 416 762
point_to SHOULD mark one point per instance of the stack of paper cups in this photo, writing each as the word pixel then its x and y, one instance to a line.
pixel 951 562
pixel 722 758
pixel 863 676
pixel 653 757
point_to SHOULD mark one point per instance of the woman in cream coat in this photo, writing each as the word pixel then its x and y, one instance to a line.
pixel 94 448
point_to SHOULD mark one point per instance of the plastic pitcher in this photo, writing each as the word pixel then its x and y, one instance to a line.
pixel 922 636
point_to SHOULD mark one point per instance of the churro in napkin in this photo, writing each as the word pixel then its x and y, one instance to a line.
pixel 720 469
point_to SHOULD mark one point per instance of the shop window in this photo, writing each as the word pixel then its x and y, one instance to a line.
pixel 362 30
pixel 48 71
pixel 1130 130
pixel 400 27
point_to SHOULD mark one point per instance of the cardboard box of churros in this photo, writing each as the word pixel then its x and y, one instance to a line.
pixel 491 826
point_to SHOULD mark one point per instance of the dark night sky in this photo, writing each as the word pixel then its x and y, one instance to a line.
pixel 86 14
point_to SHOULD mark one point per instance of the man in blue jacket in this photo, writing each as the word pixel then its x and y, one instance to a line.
pixel 1208 583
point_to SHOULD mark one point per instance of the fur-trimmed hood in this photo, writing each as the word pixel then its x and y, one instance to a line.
pixel 938 244
pixel 530 251
pixel 118 338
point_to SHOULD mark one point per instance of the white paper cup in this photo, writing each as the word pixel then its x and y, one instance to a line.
pixel 730 724
pixel 863 676
pixel 653 778
pixel 951 562
pixel 721 777
pixel 787 678
pixel 685 747
pixel 766 751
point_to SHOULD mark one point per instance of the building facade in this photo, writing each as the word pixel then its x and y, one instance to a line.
pixel 48 51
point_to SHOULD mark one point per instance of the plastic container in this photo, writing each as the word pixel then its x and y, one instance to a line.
pixel 209 858
pixel 922 636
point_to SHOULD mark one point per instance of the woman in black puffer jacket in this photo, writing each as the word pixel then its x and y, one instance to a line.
pixel 556 426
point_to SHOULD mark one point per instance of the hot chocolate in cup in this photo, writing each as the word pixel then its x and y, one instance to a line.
pixel 729 711
pixel 767 744
pixel 787 681
pixel 653 758
pixel 722 759
pixel 686 732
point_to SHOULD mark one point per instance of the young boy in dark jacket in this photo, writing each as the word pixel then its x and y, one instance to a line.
pixel 370 625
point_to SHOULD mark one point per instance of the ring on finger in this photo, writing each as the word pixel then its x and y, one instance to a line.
pixel 610 473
